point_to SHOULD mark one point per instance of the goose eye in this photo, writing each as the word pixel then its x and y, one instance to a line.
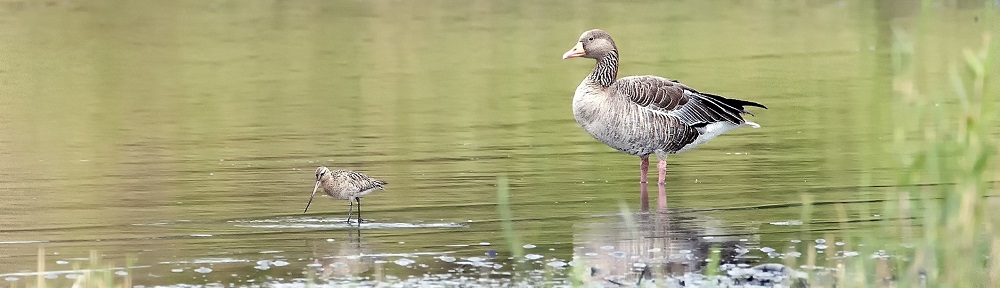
pixel 591 38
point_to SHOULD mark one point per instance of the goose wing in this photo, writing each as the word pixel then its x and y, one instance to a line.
pixel 662 95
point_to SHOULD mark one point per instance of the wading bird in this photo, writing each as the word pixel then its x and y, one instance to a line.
pixel 345 185
pixel 643 115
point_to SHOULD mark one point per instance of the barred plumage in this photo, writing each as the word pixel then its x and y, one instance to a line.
pixel 345 185
pixel 643 115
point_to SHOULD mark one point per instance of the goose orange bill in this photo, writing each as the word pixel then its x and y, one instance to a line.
pixel 311 197
pixel 577 51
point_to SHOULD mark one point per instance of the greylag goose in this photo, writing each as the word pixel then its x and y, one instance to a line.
pixel 643 115
pixel 345 185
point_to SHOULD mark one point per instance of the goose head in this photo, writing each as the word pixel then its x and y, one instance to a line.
pixel 594 44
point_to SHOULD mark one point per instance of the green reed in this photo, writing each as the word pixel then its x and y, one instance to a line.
pixel 94 273
pixel 939 139
pixel 503 205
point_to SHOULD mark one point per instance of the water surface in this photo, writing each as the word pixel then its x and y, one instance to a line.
pixel 186 134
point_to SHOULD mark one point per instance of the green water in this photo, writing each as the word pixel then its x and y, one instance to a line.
pixel 186 133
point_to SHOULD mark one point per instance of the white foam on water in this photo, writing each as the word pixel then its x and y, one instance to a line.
pixel 333 223
pixel 22 242
pixel 404 262
pixel 208 261
pixel 203 270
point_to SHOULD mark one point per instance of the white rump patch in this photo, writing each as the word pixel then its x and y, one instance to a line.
pixel 713 130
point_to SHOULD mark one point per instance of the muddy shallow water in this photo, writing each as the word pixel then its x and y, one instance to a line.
pixel 185 135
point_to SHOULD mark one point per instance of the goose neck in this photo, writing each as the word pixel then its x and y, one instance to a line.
pixel 606 70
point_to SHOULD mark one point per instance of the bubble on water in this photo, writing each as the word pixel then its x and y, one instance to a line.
pixel 766 249
pixel 263 262
pixel 740 250
pixel 280 263
pixel 744 239
pixel 773 254
pixel 62 262
pixel 476 259
pixel 403 262
pixel 639 265
pixel 851 253
pixel 787 223
pixel 608 247
pixel 203 270
pixel 484 243
pixel 590 254
pixel 684 251
pixel 177 270
pixel 708 237
pixel 793 254
pixel 654 250
pixel 447 258
pixel 618 254
pixel 51 276
pixel 11 279
pixel 121 273
pixel 821 246
pixel 314 265
pixel 262 267
pixel 533 256
pixel 330 240
pixel 795 241
pixel 557 264
pixel 839 243
pixel 820 241
pixel 529 246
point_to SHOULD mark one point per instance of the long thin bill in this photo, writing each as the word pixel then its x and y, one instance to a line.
pixel 311 197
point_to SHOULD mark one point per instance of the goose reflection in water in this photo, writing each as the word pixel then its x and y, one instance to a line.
pixel 655 246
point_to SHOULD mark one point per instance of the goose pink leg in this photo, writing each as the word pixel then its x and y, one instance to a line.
pixel 661 184
pixel 643 190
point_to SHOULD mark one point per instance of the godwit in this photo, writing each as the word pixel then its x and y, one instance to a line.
pixel 345 185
